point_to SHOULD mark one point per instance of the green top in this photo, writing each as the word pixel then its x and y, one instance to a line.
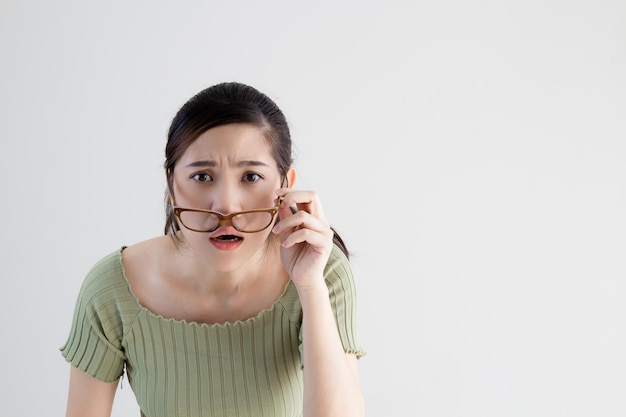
pixel 178 368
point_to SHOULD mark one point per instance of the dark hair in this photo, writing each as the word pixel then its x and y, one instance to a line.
pixel 221 104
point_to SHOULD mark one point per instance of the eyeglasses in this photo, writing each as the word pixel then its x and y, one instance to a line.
pixel 204 221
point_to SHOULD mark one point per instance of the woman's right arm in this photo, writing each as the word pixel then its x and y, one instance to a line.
pixel 88 396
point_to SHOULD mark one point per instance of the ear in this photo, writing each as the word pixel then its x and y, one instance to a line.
pixel 291 177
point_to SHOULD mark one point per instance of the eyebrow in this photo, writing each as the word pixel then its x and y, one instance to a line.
pixel 244 163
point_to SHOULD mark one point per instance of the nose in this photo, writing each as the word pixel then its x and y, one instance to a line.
pixel 224 199
pixel 224 221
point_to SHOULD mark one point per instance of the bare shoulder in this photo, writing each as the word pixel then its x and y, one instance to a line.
pixel 143 261
pixel 145 251
pixel 149 245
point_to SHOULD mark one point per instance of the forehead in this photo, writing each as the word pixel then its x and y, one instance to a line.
pixel 229 144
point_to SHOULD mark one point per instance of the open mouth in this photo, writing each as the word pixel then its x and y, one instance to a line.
pixel 227 238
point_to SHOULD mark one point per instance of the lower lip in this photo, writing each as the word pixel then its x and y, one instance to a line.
pixel 226 245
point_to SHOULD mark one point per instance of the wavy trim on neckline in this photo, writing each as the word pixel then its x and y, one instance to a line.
pixel 236 323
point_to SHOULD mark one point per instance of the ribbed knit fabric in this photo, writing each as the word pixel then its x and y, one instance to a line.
pixel 178 368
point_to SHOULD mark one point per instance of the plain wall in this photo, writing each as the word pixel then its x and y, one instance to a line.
pixel 471 153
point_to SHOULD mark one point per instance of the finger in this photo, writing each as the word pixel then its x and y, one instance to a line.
pixel 302 200
pixel 284 210
pixel 301 220
pixel 309 236
pixel 304 228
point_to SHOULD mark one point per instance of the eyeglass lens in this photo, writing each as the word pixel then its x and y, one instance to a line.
pixel 244 222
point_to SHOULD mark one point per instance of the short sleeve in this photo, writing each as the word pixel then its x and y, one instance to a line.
pixel 342 294
pixel 94 344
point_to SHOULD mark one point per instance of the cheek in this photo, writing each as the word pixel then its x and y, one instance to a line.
pixel 191 197
pixel 268 199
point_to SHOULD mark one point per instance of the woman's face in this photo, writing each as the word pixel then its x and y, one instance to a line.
pixel 228 169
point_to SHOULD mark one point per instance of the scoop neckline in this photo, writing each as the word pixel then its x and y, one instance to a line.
pixel 236 323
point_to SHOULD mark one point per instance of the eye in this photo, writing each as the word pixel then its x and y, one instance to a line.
pixel 202 177
pixel 251 177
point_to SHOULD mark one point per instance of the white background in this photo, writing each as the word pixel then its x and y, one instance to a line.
pixel 471 153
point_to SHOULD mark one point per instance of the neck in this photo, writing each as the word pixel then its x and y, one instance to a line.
pixel 204 278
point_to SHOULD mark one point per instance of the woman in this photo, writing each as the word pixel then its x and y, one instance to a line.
pixel 246 307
